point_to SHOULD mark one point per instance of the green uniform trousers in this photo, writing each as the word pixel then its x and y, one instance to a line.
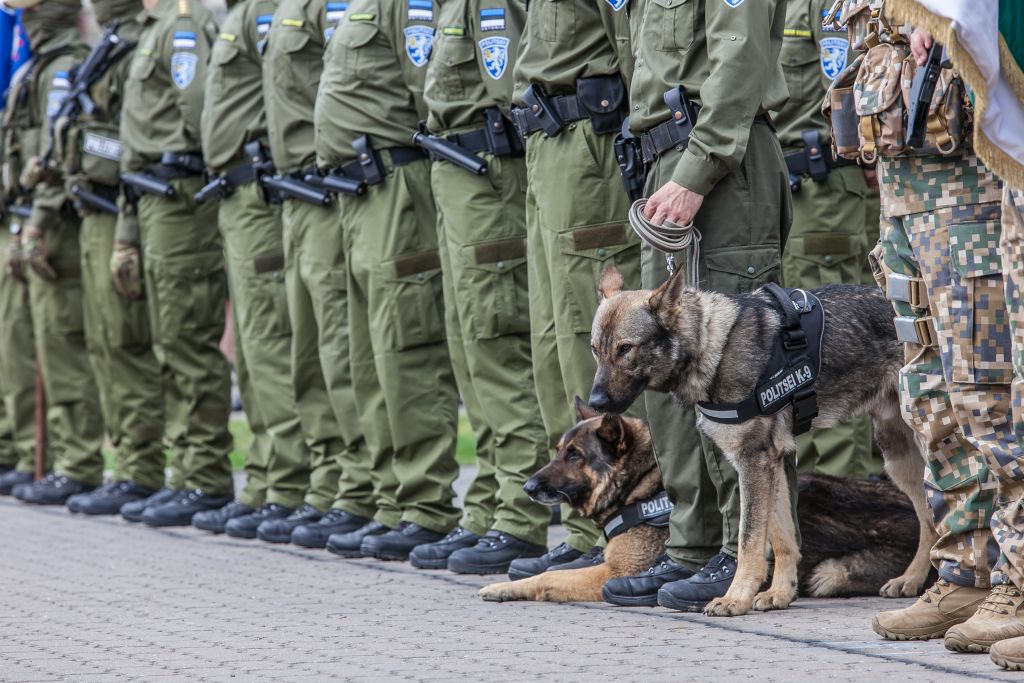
pixel 257 456
pixel 17 372
pixel 73 418
pixel 482 236
pixel 408 401
pixel 317 286
pixel 741 222
pixel 118 337
pixel 254 252
pixel 835 225
pixel 575 227
pixel 186 290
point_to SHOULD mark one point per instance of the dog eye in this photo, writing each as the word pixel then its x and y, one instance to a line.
pixel 573 456
pixel 624 349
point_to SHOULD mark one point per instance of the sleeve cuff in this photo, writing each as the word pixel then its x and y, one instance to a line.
pixel 127 228
pixel 698 175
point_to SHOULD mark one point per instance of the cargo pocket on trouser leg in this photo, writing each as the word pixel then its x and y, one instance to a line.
pixel 494 280
pixel 586 252
pixel 263 310
pixel 825 259
pixel 414 300
pixel 190 294
pixel 736 270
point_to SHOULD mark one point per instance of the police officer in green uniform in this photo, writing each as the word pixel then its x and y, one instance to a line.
pixel 571 85
pixel 707 73
pixel 86 149
pixel 340 488
pixel 184 284
pixel 49 243
pixel 368 106
pixel 234 131
pixel 835 210
pixel 482 238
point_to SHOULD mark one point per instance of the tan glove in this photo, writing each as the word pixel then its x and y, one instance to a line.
pixel 33 244
pixel 126 270
pixel 15 257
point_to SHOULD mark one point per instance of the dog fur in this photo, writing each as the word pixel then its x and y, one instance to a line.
pixel 708 346
pixel 857 533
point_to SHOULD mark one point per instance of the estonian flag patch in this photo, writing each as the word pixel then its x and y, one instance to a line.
pixel 421 10
pixel 492 19
pixel 61 80
pixel 263 24
pixel 336 11
pixel 184 39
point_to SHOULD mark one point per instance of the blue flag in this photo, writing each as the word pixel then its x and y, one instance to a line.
pixel 14 49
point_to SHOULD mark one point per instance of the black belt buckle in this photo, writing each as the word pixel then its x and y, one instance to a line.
pixel 542 110
pixel 496 132
pixel 369 161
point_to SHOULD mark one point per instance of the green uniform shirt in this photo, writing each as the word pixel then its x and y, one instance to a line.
pixel 292 63
pixel 811 58
pixel 570 39
pixel 374 71
pixel 471 64
pixel 164 92
pixel 726 54
pixel 233 114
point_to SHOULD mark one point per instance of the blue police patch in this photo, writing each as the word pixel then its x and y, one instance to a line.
pixel 733 3
pixel 494 52
pixel 183 68
pixel 421 10
pixel 492 20
pixel 833 56
pixel 418 41
pixel 617 4
pixel 263 24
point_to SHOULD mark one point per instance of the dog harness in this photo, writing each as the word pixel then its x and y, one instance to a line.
pixel 653 511
pixel 794 366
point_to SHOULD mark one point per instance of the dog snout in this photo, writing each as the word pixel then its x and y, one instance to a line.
pixel 599 399
pixel 531 487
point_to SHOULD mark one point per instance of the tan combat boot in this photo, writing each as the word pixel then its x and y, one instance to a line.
pixel 1001 616
pixel 1009 654
pixel 940 607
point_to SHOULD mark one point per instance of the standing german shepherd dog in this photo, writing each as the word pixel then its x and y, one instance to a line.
pixel 857 533
pixel 705 346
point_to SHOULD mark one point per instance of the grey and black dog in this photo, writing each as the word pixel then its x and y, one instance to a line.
pixel 705 346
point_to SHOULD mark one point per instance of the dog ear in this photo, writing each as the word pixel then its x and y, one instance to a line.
pixel 667 297
pixel 610 283
pixel 583 411
pixel 612 430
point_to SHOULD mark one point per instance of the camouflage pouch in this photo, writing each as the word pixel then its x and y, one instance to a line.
pixel 839 108
pixel 878 94
pixel 948 112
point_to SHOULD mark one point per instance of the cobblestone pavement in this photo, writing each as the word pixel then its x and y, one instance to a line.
pixel 99 599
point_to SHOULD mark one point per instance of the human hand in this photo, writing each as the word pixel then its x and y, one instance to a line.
pixel 33 246
pixel 673 202
pixel 126 270
pixel 920 43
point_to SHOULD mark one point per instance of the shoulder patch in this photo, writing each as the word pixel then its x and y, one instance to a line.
pixel 54 99
pixel 335 12
pixel 418 42
pixel 421 10
pixel 494 52
pixel 61 80
pixel 184 40
pixel 263 24
pixel 183 68
pixel 296 23
pixel 617 4
pixel 492 19
pixel 733 3
pixel 833 56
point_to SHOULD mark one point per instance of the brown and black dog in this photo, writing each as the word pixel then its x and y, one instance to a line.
pixel 703 346
pixel 856 533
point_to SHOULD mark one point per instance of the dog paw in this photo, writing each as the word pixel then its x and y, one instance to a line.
pixel 727 607
pixel 498 592
pixel 769 599
pixel 902 587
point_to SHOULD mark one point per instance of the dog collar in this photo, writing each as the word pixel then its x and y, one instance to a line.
pixel 793 369
pixel 653 511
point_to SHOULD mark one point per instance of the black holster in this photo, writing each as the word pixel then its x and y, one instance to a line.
pixel 632 171
pixel 497 130
pixel 369 160
pixel 543 110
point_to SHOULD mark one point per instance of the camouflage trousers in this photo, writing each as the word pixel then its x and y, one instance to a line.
pixel 955 385
pixel 1008 518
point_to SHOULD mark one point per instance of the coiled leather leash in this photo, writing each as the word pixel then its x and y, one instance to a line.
pixel 667 238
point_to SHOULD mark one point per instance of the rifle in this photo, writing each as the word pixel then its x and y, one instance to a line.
pixel 93 200
pixel 106 52
pixel 439 148
pixel 921 90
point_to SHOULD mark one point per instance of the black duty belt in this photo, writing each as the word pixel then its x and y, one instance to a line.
pixel 174 165
pixel 569 108
pixel 653 511
pixel 670 134
pixel 239 175
pixel 480 141
pixel 815 159
pixel 400 156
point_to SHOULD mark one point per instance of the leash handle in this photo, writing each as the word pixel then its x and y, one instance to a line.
pixel 668 238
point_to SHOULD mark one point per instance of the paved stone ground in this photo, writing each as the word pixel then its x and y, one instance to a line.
pixel 99 599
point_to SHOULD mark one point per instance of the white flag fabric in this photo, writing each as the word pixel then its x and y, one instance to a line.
pixel 970 31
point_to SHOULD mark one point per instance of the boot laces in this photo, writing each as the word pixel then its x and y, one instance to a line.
pixel 937 589
pixel 1000 598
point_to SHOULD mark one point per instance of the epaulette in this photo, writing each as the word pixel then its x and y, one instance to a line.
pixel 183 8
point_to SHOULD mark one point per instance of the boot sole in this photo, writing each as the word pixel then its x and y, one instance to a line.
pixel 211 529
pixel 629 600
pixel 385 556
pixel 682 605
pixel 428 564
pixel 247 535
pixel 955 643
pixel 513 575
pixel 350 554
pixel 1005 663
pixel 896 635
pixel 460 568
pixel 306 544
pixel 273 539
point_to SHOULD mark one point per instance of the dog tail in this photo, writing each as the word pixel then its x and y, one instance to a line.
pixel 860 573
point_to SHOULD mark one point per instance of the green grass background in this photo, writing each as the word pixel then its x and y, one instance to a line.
pixel 465 450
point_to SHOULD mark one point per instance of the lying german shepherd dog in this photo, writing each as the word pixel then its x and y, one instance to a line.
pixel 713 349
pixel 856 533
